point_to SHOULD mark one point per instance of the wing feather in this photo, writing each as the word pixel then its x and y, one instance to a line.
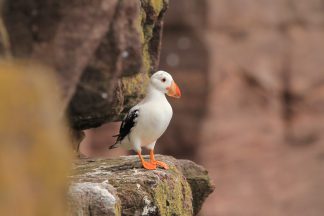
pixel 125 128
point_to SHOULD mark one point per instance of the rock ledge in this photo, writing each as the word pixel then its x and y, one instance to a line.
pixel 121 187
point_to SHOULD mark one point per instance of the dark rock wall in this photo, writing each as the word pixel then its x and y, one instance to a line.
pixel 129 50
pixel 103 51
pixel 61 34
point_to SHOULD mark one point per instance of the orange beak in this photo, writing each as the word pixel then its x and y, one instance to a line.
pixel 173 90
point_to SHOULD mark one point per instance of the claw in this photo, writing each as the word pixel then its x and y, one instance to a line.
pixel 161 164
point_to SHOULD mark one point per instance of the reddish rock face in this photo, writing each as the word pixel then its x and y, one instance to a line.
pixel 184 54
pixel 98 140
pixel 252 110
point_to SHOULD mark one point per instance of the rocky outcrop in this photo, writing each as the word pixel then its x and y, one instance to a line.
pixel 102 51
pixel 122 186
pixel 116 78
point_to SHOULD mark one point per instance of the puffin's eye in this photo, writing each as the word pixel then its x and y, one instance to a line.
pixel 163 79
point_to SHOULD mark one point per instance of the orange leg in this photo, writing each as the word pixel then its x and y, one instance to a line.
pixel 146 165
pixel 160 163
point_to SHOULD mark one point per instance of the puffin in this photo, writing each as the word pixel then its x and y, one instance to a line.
pixel 147 121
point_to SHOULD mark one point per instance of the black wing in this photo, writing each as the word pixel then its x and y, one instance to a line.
pixel 126 126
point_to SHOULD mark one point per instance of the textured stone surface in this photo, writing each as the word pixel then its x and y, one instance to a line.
pixel 122 186
pixel 61 34
pixel 130 48
pixel 103 51
pixel 200 183
pixel 89 198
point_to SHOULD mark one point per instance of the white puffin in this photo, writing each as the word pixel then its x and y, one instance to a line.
pixel 148 120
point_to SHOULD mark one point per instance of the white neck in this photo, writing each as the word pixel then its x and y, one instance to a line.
pixel 154 94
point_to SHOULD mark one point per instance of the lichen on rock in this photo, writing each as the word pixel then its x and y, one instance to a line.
pixel 140 191
pixel 102 51
pixel 149 27
pixel 123 63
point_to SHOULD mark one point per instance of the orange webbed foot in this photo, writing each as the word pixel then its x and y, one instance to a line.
pixel 148 165
pixel 161 164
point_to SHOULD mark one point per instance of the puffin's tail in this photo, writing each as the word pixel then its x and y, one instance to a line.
pixel 117 143
pixel 114 146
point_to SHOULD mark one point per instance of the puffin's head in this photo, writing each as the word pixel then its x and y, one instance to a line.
pixel 163 82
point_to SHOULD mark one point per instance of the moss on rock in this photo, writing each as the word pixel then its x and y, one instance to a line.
pixel 144 192
pixel 134 87
pixel 116 77
pixel 178 193
pixel 199 181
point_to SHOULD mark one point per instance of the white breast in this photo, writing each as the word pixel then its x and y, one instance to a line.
pixel 153 121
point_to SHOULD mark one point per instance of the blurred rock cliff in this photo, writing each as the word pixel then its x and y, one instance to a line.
pixel 252 110
pixel 251 74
